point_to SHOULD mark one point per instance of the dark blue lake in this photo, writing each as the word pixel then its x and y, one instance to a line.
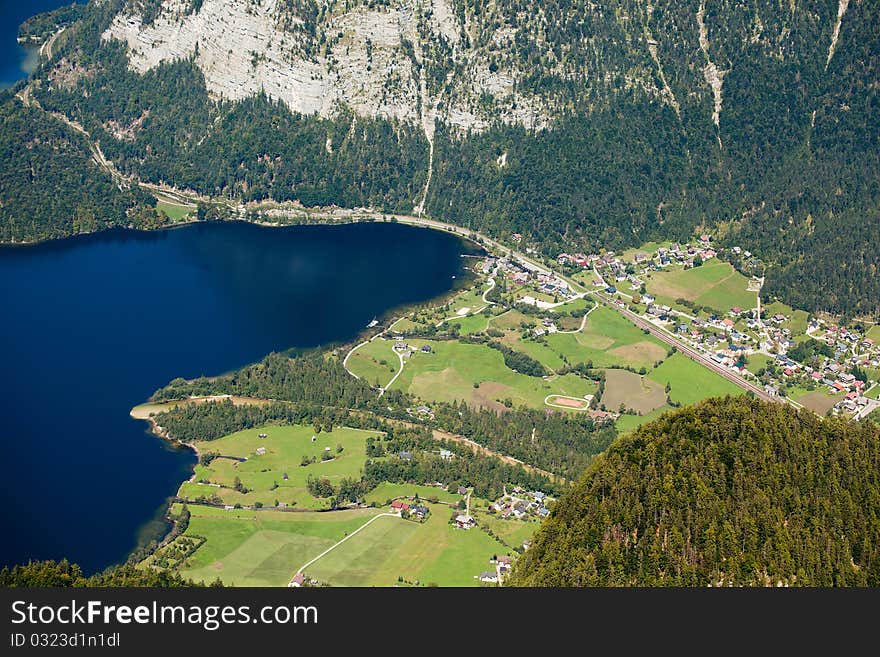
pixel 93 325
pixel 16 61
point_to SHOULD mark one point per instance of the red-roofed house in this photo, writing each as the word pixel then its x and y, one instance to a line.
pixel 397 505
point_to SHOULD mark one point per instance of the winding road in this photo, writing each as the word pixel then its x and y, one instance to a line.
pixel 302 568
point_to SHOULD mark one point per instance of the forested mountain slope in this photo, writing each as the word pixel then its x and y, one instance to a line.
pixel 729 492
pixel 579 124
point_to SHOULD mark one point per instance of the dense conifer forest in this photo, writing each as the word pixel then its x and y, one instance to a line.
pixel 730 492
pixel 61 574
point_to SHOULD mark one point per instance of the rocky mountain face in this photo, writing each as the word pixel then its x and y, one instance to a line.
pixel 471 63
pixel 406 60
pixel 581 124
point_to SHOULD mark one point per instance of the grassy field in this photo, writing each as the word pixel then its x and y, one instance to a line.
pixel 175 211
pixel 465 303
pixel 263 474
pixel 471 324
pixel 388 491
pixel 512 320
pixel 450 371
pixel 690 382
pixel 375 361
pixel 628 423
pixel 716 284
pixel 511 532
pixel 250 548
pixel 758 362
pixel 873 393
pixel 797 319
pixel 818 401
pixel 608 340
pixel 429 553
pixel 634 392
pixel 575 304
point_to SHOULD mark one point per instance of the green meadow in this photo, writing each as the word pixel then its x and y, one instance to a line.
pixel 262 548
pixel 451 370
pixel 392 550
pixel 471 324
pixel 629 423
pixel 263 474
pixel 690 382
pixel 175 211
pixel 715 284
pixel 608 340
pixel 387 490
pixel 375 361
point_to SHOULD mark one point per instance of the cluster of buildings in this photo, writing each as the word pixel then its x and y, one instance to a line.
pixel 502 568
pixel 728 339
pixel 525 273
pixel 547 326
pixel 519 504
pixel 615 267
pixel 406 350
pixel 414 510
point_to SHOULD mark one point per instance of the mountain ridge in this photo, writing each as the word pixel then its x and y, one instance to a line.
pixel 578 125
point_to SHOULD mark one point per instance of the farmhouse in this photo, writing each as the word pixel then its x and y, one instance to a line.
pixel 489 577
pixel 464 521
pixel 298 580
pixel 397 505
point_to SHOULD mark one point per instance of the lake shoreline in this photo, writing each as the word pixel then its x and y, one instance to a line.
pixel 223 295
pixel 147 410
pixel 321 220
